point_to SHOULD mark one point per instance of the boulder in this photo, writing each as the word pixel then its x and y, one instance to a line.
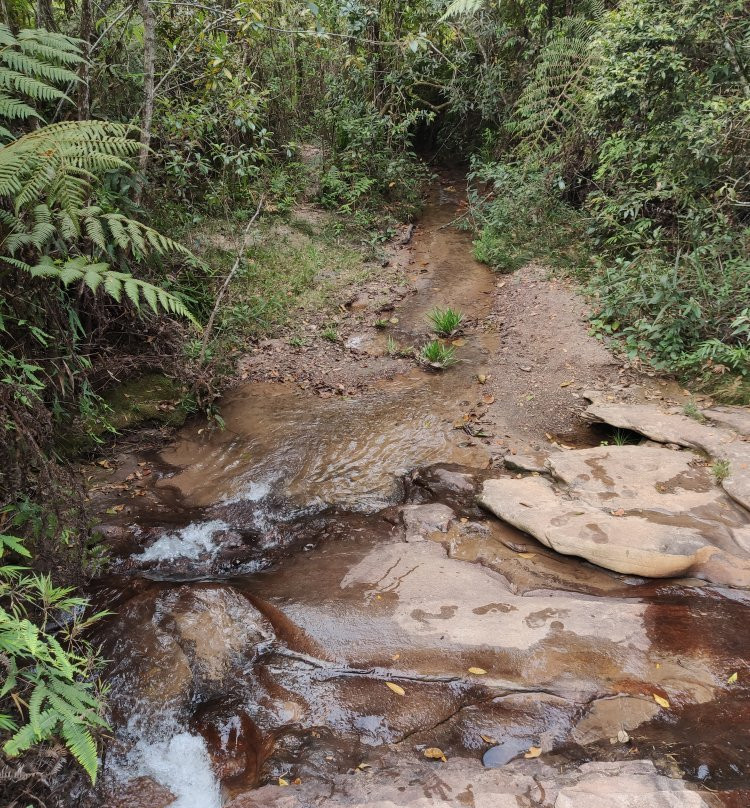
pixel 623 541
pixel 182 642
pixel 422 520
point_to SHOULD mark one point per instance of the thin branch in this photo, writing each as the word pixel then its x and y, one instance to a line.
pixel 227 281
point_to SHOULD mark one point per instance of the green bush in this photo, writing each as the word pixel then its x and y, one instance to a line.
pixel 49 689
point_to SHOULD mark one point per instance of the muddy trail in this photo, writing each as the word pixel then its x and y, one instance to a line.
pixel 312 607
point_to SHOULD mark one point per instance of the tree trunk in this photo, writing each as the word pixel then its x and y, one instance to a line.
pixel 149 59
pixel 44 17
pixel 84 89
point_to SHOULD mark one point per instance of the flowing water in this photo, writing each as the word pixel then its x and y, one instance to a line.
pixel 284 570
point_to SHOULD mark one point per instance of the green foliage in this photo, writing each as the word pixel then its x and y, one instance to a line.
pixel 721 469
pixel 438 355
pixel 692 410
pixel 330 334
pixel 522 219
pixel 49 669
pixel 445 322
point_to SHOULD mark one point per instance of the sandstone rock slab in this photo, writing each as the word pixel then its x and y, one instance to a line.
pixel 631 544
pixel 720 442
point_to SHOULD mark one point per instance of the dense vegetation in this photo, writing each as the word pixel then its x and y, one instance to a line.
pixel 609 139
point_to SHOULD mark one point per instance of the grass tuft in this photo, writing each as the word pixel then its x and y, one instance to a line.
pixel 437 355
pixel 445 322
pixel 721 470
pixel 691 410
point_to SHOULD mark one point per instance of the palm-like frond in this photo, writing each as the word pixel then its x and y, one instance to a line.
pixel 47 179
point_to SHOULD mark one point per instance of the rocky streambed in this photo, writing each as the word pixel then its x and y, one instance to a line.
pixel 418 596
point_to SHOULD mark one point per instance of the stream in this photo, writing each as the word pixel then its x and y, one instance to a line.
pixel 312 597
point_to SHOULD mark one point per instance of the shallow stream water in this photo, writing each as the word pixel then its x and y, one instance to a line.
pixel 276 585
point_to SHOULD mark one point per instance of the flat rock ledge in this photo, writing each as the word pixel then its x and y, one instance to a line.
pixel 638 510
pixel 634 784
pixel 723 434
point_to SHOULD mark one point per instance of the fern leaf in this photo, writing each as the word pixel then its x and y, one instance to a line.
pixel 82 746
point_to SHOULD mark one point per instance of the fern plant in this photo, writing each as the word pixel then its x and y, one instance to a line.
pixel 48 690
pixel 552 105
pixel 48 228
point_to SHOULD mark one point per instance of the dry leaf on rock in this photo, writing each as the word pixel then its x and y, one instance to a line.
pixel 434 753
pixel 534 752
pixel 397 689
pixel 662 702
pixel 477 671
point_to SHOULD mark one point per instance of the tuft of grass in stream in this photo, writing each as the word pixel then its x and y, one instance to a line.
pixel 445 322
pixel 437 355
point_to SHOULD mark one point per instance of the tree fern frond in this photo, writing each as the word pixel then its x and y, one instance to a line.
pixel 14 109
pixel 461 8
pixel 82 746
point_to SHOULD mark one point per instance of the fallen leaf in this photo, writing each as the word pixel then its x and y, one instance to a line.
pixel 481 378
pixel 395 657
pixel 477 671
pixel 393 320
pixel 534 752
pixel 488 739
pixel 567 384
pixel 459 343
pixel 488 398
pixel 732 679
pixel 363 766
pixel 397 689
pixel 297 781
pixel 283 781
pixel 434 753
pixel 104 464
pixel 662 702
pixel 527 555
pixel 623 736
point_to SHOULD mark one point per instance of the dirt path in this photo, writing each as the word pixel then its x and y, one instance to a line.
pixel 313 610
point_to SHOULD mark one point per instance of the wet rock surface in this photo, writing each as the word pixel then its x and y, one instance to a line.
pixel 311 605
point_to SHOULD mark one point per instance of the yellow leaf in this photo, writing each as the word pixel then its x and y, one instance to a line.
pixel 534 752
pixel 567 384
pixel 527 555
pixel 662 702
pixel 732 679
pixel 488 739
pixel 477 671
pixel 364 766
pixel 433 753
pixel 397 689
pixel 283 781
pixel 395 657
pixel 297 781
